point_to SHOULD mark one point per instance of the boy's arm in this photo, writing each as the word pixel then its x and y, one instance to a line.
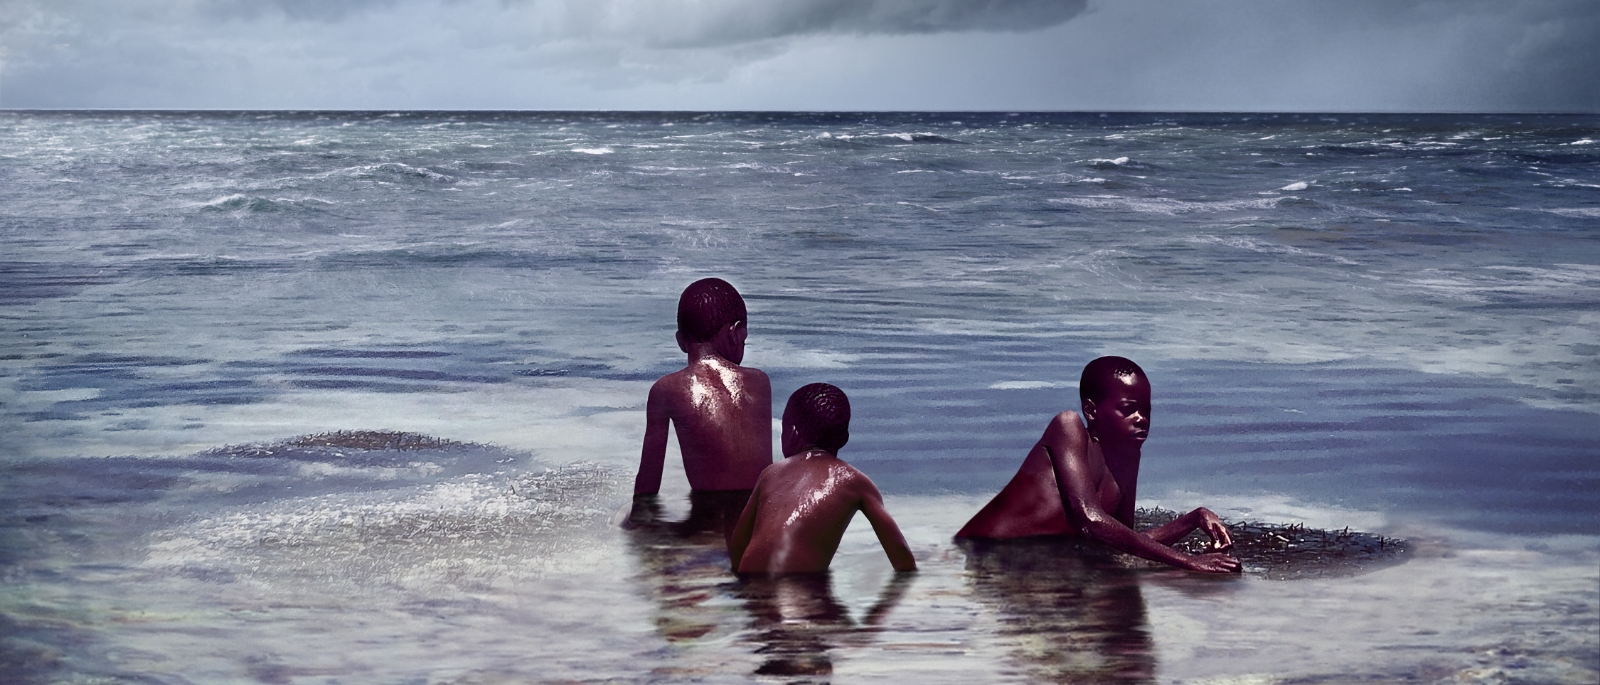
pixel 894 544
pixel 1067 443
pixel 651 460
pixel 745 529
pixel 653 457
pixel 1201 518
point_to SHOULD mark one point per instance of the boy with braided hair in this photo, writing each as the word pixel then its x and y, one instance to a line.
pixel 803 504
pixel 722 411
pixel 1080 480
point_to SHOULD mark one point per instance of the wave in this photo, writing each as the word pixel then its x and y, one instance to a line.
pixel 1162 205
pixel 1265 247
pixel 393 170
pixel 866 140
pixel 240 202
pixel 1585 212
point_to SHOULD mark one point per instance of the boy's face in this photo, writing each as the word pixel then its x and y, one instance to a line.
pixel 1121 417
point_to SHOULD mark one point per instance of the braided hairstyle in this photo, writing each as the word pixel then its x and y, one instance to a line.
pixel 706 306
pixel 821 412
pixel 1098 374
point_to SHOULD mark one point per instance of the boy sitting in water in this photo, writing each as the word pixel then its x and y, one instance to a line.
pixel 722 411
pixel 1081 482
pixel 802 504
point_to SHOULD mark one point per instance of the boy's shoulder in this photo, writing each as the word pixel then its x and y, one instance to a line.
pixel 675 383
pixel 679 382
pixel 844 476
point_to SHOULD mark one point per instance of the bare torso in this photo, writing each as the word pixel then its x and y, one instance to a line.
pixel 1031 504
pixel 722 413
pixel 803 506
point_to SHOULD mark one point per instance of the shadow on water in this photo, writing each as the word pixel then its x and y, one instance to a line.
pixel 1067 614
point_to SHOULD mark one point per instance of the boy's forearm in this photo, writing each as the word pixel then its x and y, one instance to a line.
pixel 1124 539
pixel 1175 530
pixel 652 460
pixel 894 545
pixel 648 482
pixel 889 535
pixel 902 560
pixel 646 509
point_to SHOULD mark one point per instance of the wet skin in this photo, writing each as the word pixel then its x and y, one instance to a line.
pixel 800 509
pixel 1082 481
pixel 722 413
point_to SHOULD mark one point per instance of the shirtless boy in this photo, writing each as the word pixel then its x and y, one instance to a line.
pixel 722 411
pixel 802 504
pixel 1081 481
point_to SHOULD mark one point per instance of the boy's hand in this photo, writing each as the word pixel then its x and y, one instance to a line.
pixel 646 509
pixel 1214 563
pixel 1213 526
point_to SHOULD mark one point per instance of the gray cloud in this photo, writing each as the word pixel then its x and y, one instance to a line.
pixel 1371 55
pixel 704 23
pixel 691 23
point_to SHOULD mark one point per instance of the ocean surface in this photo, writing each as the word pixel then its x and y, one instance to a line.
pixel 1384 323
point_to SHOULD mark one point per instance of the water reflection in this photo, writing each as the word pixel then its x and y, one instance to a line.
pixel 790 624
pixel 1068 614
pixel 797 621
pixel 684 564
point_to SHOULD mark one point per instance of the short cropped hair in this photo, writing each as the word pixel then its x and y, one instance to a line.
pixel 706 306
pixel 822 413
pixel 1097 375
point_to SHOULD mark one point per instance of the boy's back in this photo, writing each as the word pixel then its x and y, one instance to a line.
pixel 722 414
pixel 803 504
pixel 722 411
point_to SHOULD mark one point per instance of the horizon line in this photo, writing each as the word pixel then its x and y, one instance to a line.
pixel 1009 112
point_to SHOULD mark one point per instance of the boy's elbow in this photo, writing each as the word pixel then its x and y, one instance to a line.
pixel 1099 526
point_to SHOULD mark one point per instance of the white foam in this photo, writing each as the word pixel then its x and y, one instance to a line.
pixel 1030 385
pixel 1586 212
pixel 1163 205
pixel 593 150
pixel 1297 185
pixel 1263 246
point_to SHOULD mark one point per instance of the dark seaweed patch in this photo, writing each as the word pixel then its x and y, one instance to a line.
pixel 1293 551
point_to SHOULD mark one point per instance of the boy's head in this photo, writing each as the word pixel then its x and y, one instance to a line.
pixel 818 415
pixel 1116 401
pixel 706 311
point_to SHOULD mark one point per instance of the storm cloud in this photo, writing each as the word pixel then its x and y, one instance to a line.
pixel 1367 55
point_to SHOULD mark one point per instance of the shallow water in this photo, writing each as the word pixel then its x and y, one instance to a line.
pixel 473 564
pixel 1386 323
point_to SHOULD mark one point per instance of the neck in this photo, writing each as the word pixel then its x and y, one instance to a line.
pixel 1123 463
pixel 700 352
pixel 812 451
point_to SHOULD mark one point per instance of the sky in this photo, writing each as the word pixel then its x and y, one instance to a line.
pixel 1081 55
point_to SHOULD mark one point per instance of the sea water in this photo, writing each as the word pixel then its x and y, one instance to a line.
pixel 1386 323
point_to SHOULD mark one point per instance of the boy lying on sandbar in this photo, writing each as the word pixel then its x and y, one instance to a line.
pixel 1081 481
pixel 802 504
pixel 722 411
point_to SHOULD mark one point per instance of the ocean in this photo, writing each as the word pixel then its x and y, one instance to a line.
pixel 1381 323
